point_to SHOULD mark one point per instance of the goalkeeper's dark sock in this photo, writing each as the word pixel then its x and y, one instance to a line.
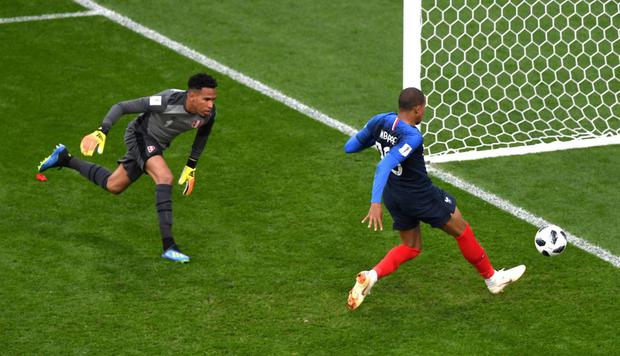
pixel 90 171
pixel 474 253
pixel 163 198
pixel 168 242
pixel 64 158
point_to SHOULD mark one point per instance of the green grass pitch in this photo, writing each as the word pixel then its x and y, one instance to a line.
pixel 350 68
pixel 272 227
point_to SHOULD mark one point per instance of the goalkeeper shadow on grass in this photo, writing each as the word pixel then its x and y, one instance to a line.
pixel 101 247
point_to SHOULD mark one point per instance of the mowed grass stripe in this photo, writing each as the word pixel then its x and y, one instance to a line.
pixel 343 58
pixel 304 109
pixel 18 8
pixel 273 229
pixel 574 189
pixel 349 68
pixel 219 67
pixel 524 215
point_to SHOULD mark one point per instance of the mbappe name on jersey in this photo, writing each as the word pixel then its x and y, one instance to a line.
pixel 389 138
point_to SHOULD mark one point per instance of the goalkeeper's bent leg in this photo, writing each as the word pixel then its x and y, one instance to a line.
pixel 90 171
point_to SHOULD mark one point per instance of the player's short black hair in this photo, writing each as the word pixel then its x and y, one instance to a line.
pixel 410 98
pixel 201 80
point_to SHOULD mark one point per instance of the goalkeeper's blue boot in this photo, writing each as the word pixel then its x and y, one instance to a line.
pixel 173 254
pixel 58 158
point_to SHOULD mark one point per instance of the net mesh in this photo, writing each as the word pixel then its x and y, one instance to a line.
pixel 511 73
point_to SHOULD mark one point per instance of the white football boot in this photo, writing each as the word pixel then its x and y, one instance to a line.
pixel 363 283
pixel 502 278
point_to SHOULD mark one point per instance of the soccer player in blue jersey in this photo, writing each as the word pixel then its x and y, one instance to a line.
pixel 401 181
pixel 163 117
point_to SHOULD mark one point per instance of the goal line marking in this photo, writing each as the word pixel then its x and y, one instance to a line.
pixel 63 15
pixel 522 214
pixel 340 126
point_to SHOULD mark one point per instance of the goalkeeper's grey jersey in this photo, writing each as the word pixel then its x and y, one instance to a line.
pixel 163 117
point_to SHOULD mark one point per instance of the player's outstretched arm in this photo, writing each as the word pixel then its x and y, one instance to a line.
pixel 96 139
pixel 353 145
pixel 359 141
pixel 363 139
pixel 156 103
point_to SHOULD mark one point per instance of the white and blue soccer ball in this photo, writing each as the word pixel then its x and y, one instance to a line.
pixel 550 241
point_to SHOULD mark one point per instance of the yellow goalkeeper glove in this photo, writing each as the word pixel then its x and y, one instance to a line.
pixel 92 141
pixel 187 178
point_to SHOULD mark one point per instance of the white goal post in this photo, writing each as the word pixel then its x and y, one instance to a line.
pixel 510 77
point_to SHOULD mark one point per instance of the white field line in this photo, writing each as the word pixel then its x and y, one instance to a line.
pixel 63 15
pixel 342 127
pixel 217 66
pixel 522 214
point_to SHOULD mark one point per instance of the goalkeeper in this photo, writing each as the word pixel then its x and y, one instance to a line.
pixel 163 117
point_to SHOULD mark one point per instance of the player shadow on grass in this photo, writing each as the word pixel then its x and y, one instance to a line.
pixel 104 249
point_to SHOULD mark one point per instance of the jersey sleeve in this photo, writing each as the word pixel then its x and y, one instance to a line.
pixel 405 146
pixel 155 103
pixel 363 139
pixel 200 141
pixel 393 158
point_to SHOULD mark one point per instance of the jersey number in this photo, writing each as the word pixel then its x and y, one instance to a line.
pixel 384 151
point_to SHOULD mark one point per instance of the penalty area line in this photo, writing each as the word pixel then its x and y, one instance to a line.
pixel 63 15
pixel 331 122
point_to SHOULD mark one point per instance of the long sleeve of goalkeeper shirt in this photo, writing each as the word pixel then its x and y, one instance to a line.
pixel 134 106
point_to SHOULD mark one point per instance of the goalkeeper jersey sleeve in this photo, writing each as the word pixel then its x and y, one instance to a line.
pixel 154 104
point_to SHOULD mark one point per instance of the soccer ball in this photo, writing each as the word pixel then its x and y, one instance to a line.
pixel 550 241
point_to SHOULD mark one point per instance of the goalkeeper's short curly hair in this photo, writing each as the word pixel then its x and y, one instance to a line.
pixel 410 98
pixel 201 80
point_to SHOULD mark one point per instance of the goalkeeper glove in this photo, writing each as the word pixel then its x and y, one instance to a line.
pixel 92 141
pixel 187 178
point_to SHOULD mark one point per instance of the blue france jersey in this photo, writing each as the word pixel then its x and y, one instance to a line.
pixel 402 152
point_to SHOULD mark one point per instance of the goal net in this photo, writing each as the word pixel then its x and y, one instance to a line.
pixel 511 77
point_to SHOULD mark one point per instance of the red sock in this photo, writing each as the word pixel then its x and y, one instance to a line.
pixel 394 258
pixel 474 253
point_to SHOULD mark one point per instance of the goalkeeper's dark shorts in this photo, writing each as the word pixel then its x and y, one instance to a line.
pixel 433 206
pixel 140 147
